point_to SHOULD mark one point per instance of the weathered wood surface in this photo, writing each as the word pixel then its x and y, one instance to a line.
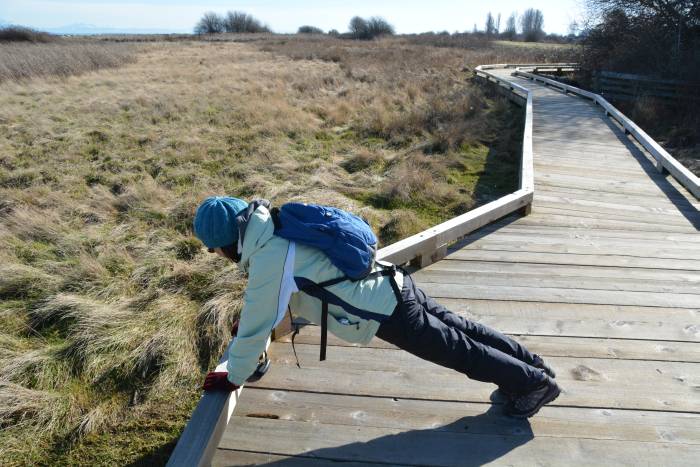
pixel 562 346
pixel 602 279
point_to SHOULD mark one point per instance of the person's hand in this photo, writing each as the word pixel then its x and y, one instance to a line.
pixel 234 328
pixel 218 381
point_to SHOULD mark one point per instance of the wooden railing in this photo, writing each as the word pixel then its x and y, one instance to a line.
pixel 626 86
pixel 203 432
pixel 664 161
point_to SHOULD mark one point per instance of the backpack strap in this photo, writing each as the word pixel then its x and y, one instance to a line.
pixel 324 329
pixel 387 270
pixel 296 331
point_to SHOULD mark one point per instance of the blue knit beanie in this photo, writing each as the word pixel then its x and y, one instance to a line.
pixel 215 221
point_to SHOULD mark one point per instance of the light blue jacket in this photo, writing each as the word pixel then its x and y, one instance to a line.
pixel 276 269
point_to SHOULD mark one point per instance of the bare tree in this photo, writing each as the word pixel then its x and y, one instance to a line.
pixel 531 23
pixel 574 28
pixel 490 25
pixel 211 23
pixel 686 12
pixel 681 17
pixel 240 22
pixel 511 26
pixel 361 28
pixel 498 24
pixel 639 36
pixel 379 27
pixel 358 28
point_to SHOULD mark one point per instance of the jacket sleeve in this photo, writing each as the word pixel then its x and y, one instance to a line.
pixel 260 303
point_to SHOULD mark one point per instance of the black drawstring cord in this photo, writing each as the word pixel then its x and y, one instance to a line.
pixel 296 331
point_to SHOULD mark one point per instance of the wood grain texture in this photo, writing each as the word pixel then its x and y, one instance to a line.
pixel 602 279
pixel 587 382
pixel 562 346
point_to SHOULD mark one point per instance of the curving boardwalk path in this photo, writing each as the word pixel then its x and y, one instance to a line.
pixel 603 278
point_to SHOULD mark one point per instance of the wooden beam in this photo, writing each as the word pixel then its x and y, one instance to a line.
pixel 202 434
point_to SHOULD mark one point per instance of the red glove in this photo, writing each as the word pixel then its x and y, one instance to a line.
pixel 234 328
pixel 218 381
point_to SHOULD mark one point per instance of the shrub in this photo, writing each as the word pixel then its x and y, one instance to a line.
pixel 22 34
pixel 309 30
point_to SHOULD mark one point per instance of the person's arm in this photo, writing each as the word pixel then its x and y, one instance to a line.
pixel 260 304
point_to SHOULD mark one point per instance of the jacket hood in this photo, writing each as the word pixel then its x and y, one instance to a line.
pixel 258 232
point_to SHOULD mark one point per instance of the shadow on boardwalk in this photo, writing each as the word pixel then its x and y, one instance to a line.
pixel 469 441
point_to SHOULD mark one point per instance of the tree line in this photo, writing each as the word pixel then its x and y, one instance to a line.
pixel 529 26
pixel 240 22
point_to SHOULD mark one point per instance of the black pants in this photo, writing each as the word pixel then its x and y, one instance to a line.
pixel 430 331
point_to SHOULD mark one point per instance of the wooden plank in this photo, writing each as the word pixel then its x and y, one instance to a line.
pixel 406 414
pixel 560 295
pixel 674 206
pixel 630 174
pixel 559 220
pixel 575 232
pixel 581 320
pixel 652 204
pixel 231 457
pixel 600 182
pixel 549 346
pixel 544 257
pixel 451 275
pixel 544 235
pixel 637 276
pixel 587 382
pixel 540 226
pixel 686 220
pixel 436 447
pixel 652 251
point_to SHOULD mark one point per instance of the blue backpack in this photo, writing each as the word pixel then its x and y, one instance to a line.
pixel 346 239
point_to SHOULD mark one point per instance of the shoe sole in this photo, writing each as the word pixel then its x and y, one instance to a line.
pixel 552 394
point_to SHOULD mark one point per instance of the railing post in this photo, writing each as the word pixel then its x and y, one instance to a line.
pixel 660 167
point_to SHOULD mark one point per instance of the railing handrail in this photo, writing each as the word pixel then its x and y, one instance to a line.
pixel 202 434
pixel 664 160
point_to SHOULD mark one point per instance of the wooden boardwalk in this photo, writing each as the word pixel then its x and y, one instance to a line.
pixel 603 279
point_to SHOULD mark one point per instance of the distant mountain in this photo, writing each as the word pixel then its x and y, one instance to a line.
pixel 86 29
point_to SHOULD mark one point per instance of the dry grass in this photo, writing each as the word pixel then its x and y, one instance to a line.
pixel 110 311
pixel 59 58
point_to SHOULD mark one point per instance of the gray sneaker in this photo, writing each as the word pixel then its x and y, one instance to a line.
pixel 528 404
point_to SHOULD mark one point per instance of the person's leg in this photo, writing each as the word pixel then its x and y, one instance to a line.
pixel 475 331
pixel 413 329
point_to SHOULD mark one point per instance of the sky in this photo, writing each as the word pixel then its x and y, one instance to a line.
pixel 407 16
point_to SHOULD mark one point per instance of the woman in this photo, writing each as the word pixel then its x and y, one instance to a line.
pixel 283 273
